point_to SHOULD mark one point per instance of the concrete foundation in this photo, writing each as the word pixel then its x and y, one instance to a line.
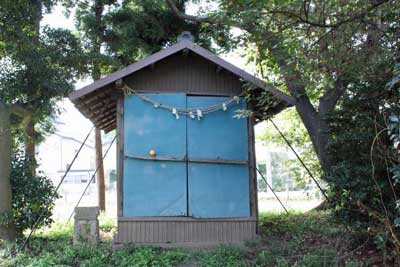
pixel 86 227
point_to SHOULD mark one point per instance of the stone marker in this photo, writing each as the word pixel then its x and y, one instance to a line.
pixel 86 227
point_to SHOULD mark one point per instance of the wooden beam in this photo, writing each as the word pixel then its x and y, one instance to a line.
pixel 107 123
pixel 252 167
pixel 197 160
pixel 101 103
pixel 156 158
pixel 120 155
pixel 92 99
pixel 110 128
pixel 109 112
pixel 99 110
pixel 118 84
pixel 217 161
pixel 104 115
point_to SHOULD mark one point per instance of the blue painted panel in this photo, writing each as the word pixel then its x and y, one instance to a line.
pixel 147 127
pixel 218 190
pixel 154 188
pixel 218 134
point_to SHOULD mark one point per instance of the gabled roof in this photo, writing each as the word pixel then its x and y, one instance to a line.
pixel 184 44
pixel 108 123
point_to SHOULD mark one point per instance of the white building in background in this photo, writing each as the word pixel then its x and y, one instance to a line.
pixel 264 159
pixel 277 166
pixel 58 150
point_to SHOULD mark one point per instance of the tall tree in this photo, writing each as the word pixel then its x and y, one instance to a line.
pixel 39 64
pixel 38 67
pixel 311 50
pixel 7 229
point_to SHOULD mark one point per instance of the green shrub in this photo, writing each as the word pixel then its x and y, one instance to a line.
pixel 31 194
pixel 362 181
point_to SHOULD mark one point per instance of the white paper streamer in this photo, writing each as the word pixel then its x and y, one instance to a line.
pixel 175 112
pixel 199 114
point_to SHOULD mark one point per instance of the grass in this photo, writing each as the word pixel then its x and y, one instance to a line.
pixel 302 240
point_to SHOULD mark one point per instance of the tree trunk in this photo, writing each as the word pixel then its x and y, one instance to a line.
pixel 7 230
pixel 317 129
pixel 30 143
pixel 96 74
pixel 100 172
pixel 30 126
pixel 311 118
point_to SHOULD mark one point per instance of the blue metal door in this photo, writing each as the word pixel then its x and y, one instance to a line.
pixel 218 176
pixel 154 187
pixel 200 168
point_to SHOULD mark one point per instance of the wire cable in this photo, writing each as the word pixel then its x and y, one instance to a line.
pixel 37 221
pixel 301 161
pixel 91 179
pixel 272 190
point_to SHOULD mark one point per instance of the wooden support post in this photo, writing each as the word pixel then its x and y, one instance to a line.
pixel 252 168
pixel 7 230
pixel 120 155
pixel 100 172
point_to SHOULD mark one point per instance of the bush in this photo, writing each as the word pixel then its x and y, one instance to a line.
pixel 362 179
pixel 31 194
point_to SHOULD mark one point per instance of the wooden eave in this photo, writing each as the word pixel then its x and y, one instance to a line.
pixel 97 101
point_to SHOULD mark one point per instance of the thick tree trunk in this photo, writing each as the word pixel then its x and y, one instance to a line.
pixel 315 125
pixel 317 129
pixel 100 172
pixel 7 230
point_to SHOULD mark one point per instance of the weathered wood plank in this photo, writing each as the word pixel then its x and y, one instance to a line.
pixel 184 219
pixel 197 160
pixel 120 154
pixel 159 230
pixel 252 168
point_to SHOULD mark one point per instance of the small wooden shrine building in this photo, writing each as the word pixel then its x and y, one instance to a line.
pixel 185 163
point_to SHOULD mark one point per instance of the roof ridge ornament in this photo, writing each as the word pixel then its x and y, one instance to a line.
pixel 186 35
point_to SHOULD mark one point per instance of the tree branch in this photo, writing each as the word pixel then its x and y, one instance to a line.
pixel 184 16
pixel 21 112
pixel 306 20
pixel 328 100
